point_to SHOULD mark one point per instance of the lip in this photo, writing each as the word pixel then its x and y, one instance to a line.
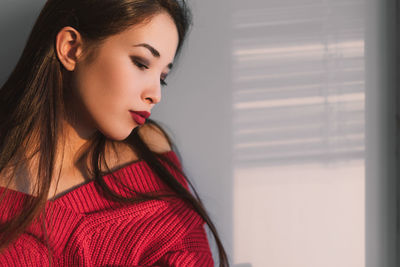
pixel 140 116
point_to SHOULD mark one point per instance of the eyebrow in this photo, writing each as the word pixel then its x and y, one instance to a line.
pixel 153 51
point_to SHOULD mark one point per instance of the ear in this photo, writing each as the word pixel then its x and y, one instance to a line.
pixel 69 47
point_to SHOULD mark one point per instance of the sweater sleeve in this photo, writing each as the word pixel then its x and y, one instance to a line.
pixel 192 250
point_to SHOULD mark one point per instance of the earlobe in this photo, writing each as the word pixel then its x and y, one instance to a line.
pixel 68 47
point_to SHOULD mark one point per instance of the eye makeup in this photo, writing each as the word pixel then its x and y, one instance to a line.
pixel 138 62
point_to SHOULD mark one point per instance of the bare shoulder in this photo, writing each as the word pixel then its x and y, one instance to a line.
pixel 154 138
pixel 120 153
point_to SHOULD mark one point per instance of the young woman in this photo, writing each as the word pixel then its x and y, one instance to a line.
pixel 86 177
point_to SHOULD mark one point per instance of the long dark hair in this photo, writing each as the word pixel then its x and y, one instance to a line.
pixel 32 103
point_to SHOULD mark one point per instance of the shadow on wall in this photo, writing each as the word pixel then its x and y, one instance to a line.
pixel 299 133
pixel 299 88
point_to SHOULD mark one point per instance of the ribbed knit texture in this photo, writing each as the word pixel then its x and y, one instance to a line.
pixel 87 229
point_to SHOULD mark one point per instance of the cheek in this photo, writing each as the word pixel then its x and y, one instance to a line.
pixel 107 84
pixel 111 80
pixel 107 91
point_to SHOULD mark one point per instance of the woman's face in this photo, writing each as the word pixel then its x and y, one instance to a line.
pixel 126 75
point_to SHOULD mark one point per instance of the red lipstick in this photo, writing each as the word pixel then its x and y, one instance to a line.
pixel 140 116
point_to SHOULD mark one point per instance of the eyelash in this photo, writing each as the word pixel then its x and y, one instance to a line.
pixel 142 66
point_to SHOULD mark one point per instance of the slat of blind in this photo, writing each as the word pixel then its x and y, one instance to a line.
pixel 298 84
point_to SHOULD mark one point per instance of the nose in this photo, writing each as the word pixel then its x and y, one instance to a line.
pixel 152 94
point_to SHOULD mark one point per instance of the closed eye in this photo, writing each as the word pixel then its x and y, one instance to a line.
pixel 140 65
pixel 143 67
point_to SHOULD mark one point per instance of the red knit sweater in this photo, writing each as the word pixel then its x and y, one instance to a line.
pixel 87 229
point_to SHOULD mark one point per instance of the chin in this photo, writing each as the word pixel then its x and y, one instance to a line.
pixel 118 135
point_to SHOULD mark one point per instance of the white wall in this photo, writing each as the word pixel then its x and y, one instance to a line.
pixel 197 107
pixel 310 129
pixel 299 89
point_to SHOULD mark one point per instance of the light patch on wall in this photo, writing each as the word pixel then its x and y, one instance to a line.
pixel 299 133
pixel 302 215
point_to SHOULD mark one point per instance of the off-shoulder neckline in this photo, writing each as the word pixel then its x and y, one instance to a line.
pixel 82 185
